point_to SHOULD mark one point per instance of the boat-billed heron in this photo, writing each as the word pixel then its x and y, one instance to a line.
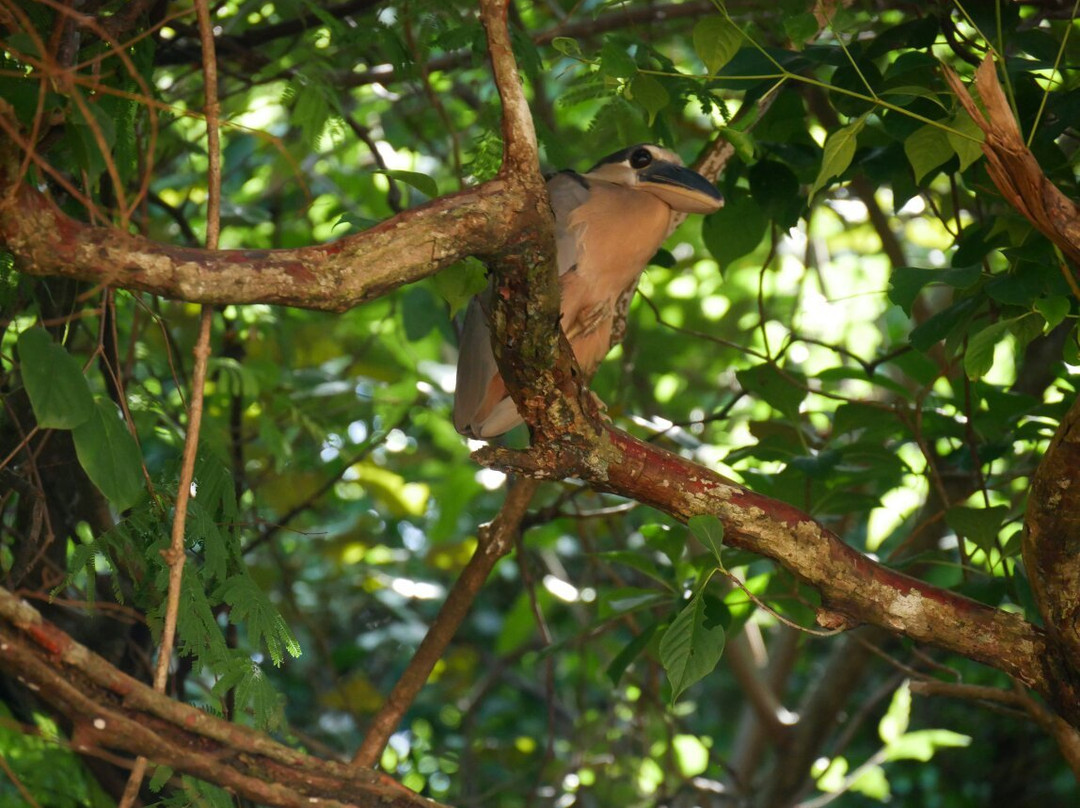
pixel 608 223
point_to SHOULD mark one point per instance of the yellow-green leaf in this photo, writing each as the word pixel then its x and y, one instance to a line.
pixel 838 153
pixel 927 148
pixel 716 40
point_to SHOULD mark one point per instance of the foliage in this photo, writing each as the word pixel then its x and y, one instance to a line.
pixel 866 331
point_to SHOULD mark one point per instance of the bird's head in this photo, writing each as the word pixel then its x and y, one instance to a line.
pixel 649 168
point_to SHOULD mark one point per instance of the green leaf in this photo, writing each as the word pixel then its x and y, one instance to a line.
pixel 800 27
pixel 109 455
pixel 629 599
pixel 716 40
pixel 616 62
pixel 420 312
pixel 905 283
pixel 414 179
pixel 735 230
pixel 968 144
pixel 631 651
pixel 650 94
pixel 567 46
pixel 459 282
pixel 838 153
pixel 58 392
pixel 1053 309
pixel 922 743
pixel 691 646
pixel 979 357
pixel 942 324
pixel 926 149
pixel 980 525
pixel 780 390
pixel 661 537
pixel 708 530
pixel 895 721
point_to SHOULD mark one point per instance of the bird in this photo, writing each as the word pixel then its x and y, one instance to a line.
pixel 609 222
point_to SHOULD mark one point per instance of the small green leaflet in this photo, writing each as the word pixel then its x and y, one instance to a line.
pixel 979 357
pixel 691 646
pixel 414 179
pixel 459 282
pixel 650 94
pixel 1053 309
pixel 735 230
pixel 782 391
pixel 905 283
pixel 716 40
pixel 568 46
pixel 109 455
pixel 980 525
pixel 708 530
pixel 838 153
pixel 927 148
pixel 54 382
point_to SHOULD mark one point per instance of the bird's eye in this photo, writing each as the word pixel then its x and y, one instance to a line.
pixel 640 158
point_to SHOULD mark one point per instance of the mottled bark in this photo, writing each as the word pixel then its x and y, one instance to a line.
pixel 1051 545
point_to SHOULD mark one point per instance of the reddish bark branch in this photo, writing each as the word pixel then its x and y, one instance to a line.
pixel 854 588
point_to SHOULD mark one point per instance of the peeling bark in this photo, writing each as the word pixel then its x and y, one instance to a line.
pixel 1013 167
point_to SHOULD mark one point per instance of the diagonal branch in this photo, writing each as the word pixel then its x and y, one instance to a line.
pixel 854 588
pixel 113 711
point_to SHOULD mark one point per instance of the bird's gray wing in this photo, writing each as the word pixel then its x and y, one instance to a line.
pixel 567 190
pixel 476 366
pixel 481 407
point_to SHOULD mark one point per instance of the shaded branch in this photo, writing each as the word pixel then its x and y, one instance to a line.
pixel 1051 545
pixel 112 711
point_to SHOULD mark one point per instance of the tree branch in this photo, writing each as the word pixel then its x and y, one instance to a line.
pixel 112 711
pixel 854 588
pixel 328 277
pixel 1051 546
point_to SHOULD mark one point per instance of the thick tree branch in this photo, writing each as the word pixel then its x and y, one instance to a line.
pixel 112 711
pixel 329 277
pixel 854 588
pixel 1051 545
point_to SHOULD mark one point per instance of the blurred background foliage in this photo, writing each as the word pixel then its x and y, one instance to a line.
pixel 865 331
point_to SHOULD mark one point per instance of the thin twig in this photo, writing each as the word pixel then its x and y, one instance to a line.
pixel 175 555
